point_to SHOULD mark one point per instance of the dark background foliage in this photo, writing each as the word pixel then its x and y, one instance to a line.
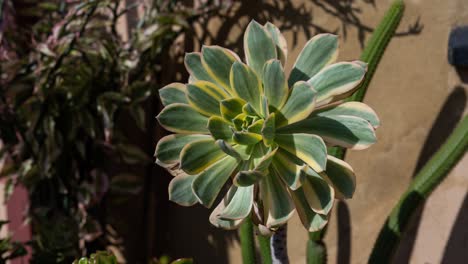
pixel 71 89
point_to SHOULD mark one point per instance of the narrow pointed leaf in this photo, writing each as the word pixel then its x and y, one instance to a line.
pixel 318 52
pixel 182 118
pixel 309 148
pixel 240 205
pixel 208 183
pixel 279 40
pixel 169 147
pixel 198 155
pixel 274 84
pixel 344 131
pixel 180 190
pixel 341 176
pixel 218 62
pixel 335 80
pixel 300 104
pixel 258 46
pixel 356 109
pixel 173 93
pixel 205 97
pixel 246 84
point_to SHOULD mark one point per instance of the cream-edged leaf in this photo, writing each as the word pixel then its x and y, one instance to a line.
pixel 173 93
pixel 209 182
pixel 300 103
pixel 309 148
pixel 336 80
pixel 198 155
pixel 318 52
pixel 183 119
pixel 180 190
pixel 258 46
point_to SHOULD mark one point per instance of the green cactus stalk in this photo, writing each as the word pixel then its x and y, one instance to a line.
pixel 372 54
pixel 265 250
pixel 428 178
pixel 377 44
pixel 247 241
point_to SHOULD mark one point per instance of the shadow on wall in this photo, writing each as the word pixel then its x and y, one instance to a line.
pixel 448 118
pixel 163 228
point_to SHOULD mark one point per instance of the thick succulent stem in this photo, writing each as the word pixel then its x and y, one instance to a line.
pixel 279 246
pixel 265 250
pixel 247 241
pixel 428 178
pixel 372 54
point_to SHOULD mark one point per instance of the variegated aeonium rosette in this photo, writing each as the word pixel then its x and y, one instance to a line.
pixel 264 137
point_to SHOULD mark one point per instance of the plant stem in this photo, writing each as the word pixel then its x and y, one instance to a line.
pixel 247 241
pixel 265 250
pixel 428 178
pixel 279 246
pixel 372 55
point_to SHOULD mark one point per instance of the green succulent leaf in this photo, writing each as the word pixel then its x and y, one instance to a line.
pixel 246 85
pixel 336 81
pixel 258 46
pixel 318 52
pixel 289 167
pixel 246 138
pixel 247 178
pixel 310 219
pixel 193 64
pixel 215 218
pixel 341 176
pixel 180 190
pixel 209 182
pixel 318 193
pixel 220 128
pixel 356 109
pixel 232 107
pixel 240 205
pixel 277 203
pixel 274 84
pixel 183 119
pixel 300 104
pixel 169 147
pixel 205 96
pixel 264 162
pixel 217 62
pixel 345 131
pixel 279 40
pixel 240 152
pixel 173 93
pixel 198 155
pixel 309 148
pixel 268 130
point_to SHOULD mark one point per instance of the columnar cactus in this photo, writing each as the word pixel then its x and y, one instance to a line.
pixel 262 136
